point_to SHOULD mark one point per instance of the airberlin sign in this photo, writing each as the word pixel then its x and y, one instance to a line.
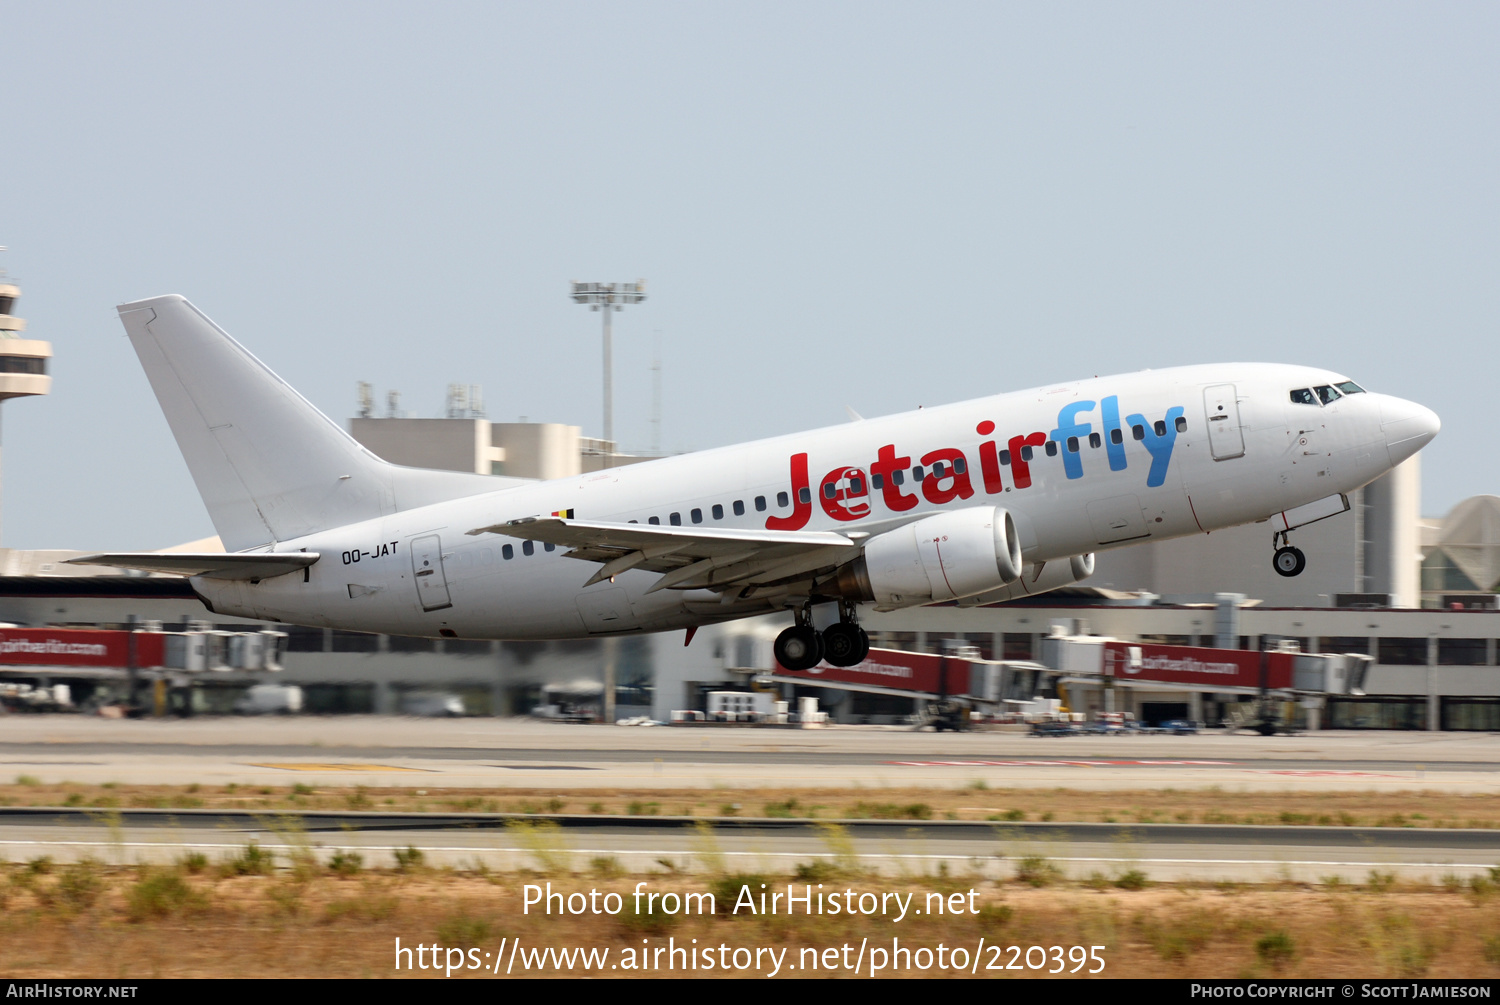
pixel 75 647
pixel 1197 665
pixel 943 475
pixel 891 668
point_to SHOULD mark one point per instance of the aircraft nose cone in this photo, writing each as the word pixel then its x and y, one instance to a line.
pixel 1408 427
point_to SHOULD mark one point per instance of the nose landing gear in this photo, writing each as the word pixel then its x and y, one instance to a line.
pixel 803 647
pixel 1288 561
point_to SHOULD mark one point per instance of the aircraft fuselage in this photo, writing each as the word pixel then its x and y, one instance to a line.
pixel 1081 467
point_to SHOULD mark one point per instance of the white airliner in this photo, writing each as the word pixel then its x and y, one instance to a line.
pixel 976 502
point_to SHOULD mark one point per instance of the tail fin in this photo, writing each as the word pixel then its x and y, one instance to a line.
pixel 269 466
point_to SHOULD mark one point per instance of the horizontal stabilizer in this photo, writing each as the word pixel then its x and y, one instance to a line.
pixel 211 566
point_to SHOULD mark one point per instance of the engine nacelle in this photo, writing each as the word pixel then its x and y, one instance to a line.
pixel 943 557
pixel 1053 575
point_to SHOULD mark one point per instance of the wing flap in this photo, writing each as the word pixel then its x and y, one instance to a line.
pixel 209 565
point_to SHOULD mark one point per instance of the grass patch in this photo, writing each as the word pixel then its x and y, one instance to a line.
pixel 252 860
pixel 543 839
pixel 891 811
pixel 346 863
pixel 1276 949
pixel 462 930
pixel 161 893
pixel 1036 871
pixel 606 867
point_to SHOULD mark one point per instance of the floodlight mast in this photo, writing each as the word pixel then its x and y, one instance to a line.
pixel 608 298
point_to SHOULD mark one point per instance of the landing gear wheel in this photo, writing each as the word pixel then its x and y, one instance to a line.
pixel 845 644
pixel 1289 561
pixel 799 648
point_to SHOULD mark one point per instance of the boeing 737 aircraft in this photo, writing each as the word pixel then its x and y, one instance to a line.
pixel 976 502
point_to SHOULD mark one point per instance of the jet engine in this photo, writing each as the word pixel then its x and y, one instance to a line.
pixel 942 557
pixel 1039 578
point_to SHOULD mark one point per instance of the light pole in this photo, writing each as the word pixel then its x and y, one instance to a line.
pixel 608 298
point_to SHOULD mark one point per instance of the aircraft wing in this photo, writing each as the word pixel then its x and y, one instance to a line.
pixel 688 558
pixel 211 565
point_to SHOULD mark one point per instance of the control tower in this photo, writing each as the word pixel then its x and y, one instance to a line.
pixel 23 361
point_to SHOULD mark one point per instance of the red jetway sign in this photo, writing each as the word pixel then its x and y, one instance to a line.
pixel 78 647
pixel 1195 665
pixel 890 668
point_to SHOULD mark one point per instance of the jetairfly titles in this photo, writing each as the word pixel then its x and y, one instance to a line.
pixel 976 502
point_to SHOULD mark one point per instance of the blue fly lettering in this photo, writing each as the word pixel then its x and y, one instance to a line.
pixel 1160 447
pixel 1111 408
pixel 1068 426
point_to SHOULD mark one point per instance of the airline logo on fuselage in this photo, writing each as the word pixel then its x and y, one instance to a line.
pixel 944 475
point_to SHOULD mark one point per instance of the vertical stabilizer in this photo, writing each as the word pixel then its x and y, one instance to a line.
pixel 269 466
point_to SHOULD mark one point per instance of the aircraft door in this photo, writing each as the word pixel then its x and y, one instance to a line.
pixel 1225 438
pixel 427 568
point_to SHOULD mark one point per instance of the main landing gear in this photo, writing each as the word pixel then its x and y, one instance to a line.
pixel 803 647
pixel 1288 561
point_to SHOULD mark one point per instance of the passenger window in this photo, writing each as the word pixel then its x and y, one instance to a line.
pixel 1072 444
pixel 857 486
pixel 1095 440
pixel 697 515
pixel 528 548
pixel 877 482
pixel 760 504
pixel 1160 427
pixel 1303 396
pixel 1115 436
pixel 549 546
pixel 1139 432
pixel 507 552
pixel 676 519
pixel 898 477
pixel 960 465
pixel 828 490
pixel 655 521
pixel 917 474
pixel 1005 457
pixel 1326 394
pixel 938 469
pixel 739 507
pixel 1181 424
pixel 718 511
pixel 1051 447
pixel 1026 452
pixel 805 494
pixel 783 500
pixel 1349 387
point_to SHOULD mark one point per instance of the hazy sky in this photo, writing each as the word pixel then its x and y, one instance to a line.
pixel 883 205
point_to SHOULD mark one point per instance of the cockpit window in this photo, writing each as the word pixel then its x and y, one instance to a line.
pixel 1303 396
pixel 1349 387
pixel 1327 394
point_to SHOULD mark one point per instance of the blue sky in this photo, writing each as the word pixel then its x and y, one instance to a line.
pixel 883 205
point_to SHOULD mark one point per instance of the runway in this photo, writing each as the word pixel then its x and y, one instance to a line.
pixel 1166 852
pixel 471 753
